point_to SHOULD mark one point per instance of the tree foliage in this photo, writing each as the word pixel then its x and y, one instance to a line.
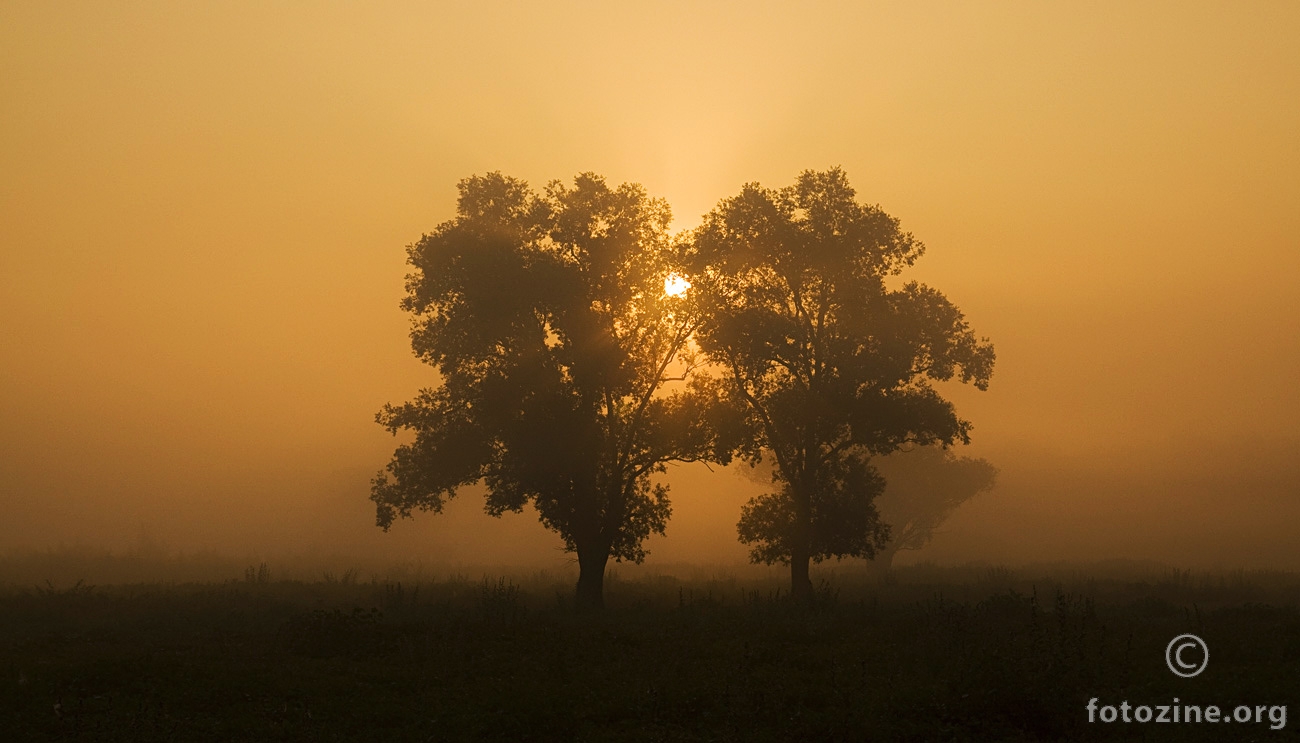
pixel 830 363
pixel 923 486
pixel 837 516
pixel 548 322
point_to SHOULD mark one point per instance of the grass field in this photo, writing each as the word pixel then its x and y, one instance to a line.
pixel 932 655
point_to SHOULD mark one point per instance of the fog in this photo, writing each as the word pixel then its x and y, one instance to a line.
pixel 204 214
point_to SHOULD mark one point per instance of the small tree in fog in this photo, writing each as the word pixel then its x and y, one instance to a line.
pixel 831 364
pixel 550 323
pixel 923 486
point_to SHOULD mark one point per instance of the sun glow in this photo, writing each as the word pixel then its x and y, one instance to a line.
pixel 676 285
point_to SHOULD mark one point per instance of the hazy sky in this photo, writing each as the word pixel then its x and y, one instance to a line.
pixel 204 211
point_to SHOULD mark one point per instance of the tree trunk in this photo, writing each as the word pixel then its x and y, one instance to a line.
pixel 591 578
pixel 801 589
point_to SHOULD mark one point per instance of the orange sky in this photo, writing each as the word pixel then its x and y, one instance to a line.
pixel 204 210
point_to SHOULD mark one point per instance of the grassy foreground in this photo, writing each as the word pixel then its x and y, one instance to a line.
pixel 933 656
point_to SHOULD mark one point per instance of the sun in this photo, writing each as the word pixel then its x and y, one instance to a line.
pixel 676 285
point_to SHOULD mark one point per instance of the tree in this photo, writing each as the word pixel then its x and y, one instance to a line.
pixel 548 319
pixel 831 365
pixel 923 486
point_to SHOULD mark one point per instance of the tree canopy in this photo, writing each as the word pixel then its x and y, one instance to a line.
pixel 830 363
pixel 547 318
pixel 923 486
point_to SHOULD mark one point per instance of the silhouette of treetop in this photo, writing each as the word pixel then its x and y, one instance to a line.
pixel 830 363
pixel 547 319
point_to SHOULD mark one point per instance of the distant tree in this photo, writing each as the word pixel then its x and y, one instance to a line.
pixel 552 328
pixel 831 365
pixel 923 486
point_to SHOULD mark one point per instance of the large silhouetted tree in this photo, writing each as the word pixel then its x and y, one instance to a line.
pixel 547 319
pixel 832 364
pixel 923 487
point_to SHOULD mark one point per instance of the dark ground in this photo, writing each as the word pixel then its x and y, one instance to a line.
pixel 936 655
